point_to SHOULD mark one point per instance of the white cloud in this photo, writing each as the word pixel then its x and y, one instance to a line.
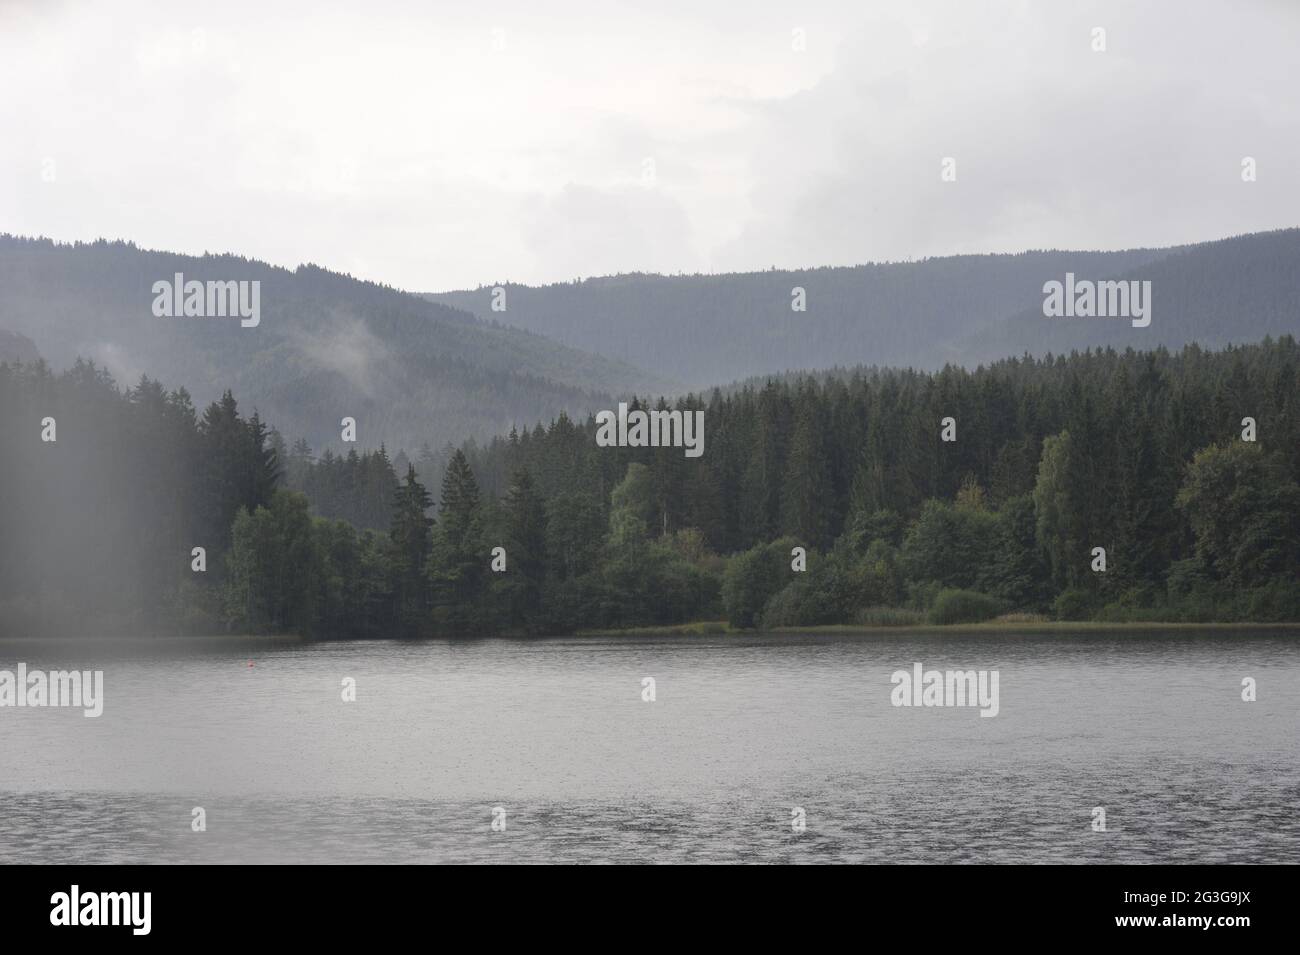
pixel 393 141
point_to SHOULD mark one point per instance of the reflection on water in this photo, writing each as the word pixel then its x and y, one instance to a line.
pixel 1150 726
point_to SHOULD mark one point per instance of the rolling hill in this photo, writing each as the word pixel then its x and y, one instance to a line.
pixel 1233 291
pixel 709 329
pixel 327 346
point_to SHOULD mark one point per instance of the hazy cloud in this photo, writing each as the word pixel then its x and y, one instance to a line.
pixel 434 147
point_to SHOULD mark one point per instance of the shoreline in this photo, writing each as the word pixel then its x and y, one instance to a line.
pixel 720 629
pixel 699 628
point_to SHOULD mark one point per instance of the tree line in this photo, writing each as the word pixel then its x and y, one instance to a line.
pixel 1144 455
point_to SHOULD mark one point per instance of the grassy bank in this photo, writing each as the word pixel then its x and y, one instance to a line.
pixel 720 628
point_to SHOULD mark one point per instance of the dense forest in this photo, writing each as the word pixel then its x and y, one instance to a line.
pixel 941 497
pixel 326 346
pixel 965 309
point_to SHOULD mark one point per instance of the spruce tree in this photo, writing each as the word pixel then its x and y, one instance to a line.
pixel 411 546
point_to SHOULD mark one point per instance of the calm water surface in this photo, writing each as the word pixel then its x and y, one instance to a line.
pixel 1150 726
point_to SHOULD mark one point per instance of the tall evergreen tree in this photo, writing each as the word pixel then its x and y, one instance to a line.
pixel 459 560
pixel 527 548
pixel 411 548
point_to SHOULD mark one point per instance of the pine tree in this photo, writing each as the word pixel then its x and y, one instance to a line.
pixel 527 548
pixel 806 491
pixel 458 562
pixel 411 547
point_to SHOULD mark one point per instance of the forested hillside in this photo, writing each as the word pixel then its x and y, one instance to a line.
pixel 1230 292
pixel 327 345
pixel 707 329
pixel 1147 456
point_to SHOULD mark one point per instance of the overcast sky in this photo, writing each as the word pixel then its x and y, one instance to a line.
pixel 438 145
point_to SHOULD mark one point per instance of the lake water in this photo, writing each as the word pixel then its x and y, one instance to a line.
pixel 1150 726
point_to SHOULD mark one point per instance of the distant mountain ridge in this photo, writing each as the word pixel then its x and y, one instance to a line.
pixel 328 346
pixel 1230 291
pixel 437 369
pixel 967 309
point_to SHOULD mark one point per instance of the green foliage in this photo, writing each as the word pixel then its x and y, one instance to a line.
pixel 964 606
pixel 458 562
pixel 1138 453
pixel 1016 571
pixel 810 600
pixel 575 527
pixel 1057 516
pixel 631 507
pixel 752 578
pixel 948 544
pixel 889 617
pixel 864 529
pixel 358 488
pixel 412 546
pixel 271 564
pixel 876 579
pixel 521 589
pixel 1074 603
pixel 1244 509
pixel 1276 601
